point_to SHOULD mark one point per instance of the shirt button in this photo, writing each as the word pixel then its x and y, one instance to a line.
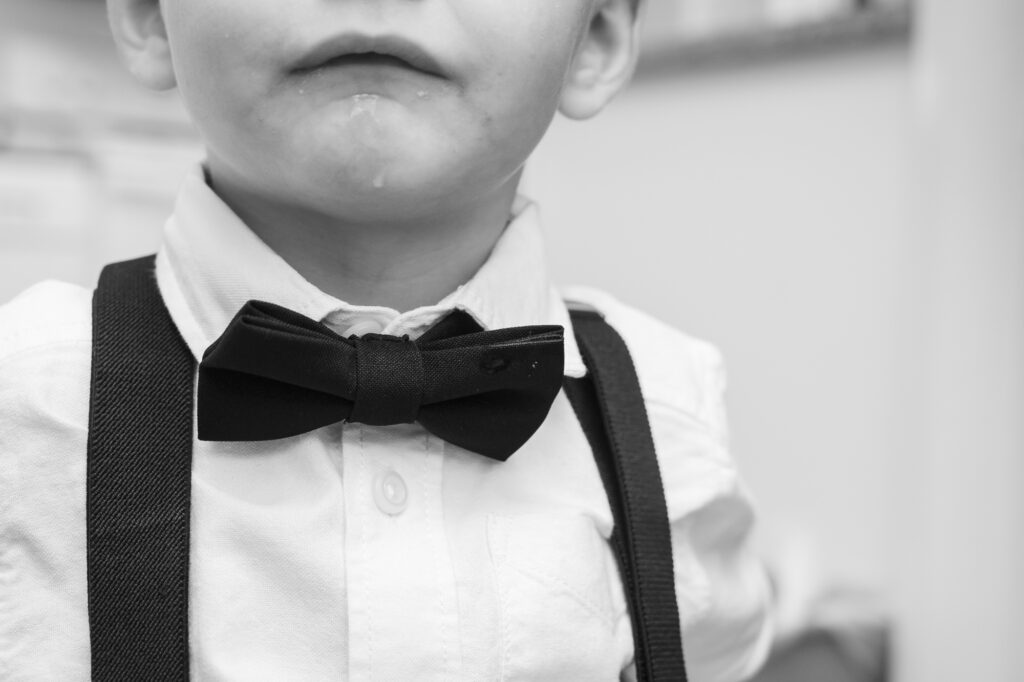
pixel 390 493
pixel 364 327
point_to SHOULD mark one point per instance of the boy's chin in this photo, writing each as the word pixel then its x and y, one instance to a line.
pixel 398 177
pixel 371 125
pixel 385 192
pixel 368 156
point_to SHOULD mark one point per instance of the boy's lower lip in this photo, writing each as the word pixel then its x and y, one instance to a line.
pixel 366 60
pixel 360 74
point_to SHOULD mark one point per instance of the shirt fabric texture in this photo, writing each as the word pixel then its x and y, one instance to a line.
pixel 377 553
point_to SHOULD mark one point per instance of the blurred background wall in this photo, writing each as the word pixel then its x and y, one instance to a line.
pixel 89 162
pixel 840 208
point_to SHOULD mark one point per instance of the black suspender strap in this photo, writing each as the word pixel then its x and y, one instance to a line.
pixel 138 485
pixel 138 481
pixel 611 410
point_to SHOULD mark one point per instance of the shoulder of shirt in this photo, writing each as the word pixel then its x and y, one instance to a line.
pixel 676 370
pixel 46 314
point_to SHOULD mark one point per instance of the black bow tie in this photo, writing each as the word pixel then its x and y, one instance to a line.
pixel 275 373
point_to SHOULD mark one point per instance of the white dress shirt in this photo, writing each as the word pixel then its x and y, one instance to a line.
pixel 376 553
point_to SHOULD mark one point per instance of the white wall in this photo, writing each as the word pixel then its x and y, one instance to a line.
pixel 89 161
pixel 768 209
pixel 960 584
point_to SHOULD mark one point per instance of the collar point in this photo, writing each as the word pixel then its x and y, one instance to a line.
pixel 575 369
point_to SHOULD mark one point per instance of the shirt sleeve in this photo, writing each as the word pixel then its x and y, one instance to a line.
pixel 722 589
pixel 45 355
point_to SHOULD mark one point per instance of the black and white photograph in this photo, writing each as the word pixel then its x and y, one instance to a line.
pixel 511 340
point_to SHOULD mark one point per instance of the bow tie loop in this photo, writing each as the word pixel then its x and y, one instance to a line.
pixel 389 380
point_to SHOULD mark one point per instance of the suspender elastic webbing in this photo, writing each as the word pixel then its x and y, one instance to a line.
pixel 138 485
pixel 610 407
pixel 138 481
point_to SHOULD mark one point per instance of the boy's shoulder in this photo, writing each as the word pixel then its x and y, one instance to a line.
pixel 676 370
pixel 45 315
pixel 45 363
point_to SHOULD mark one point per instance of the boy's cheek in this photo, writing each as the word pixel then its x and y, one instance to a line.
pixel 210 43
pixel 219 79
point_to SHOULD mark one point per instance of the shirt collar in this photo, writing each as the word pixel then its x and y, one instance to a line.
pixel 210 264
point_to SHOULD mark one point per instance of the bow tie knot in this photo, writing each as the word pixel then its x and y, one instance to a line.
pixel 390 381
pixel 275 373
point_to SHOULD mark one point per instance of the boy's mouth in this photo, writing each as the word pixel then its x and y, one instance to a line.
pixel 362 50
pixel 367 59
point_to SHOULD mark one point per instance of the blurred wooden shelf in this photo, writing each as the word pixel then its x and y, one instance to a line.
pixel 854 30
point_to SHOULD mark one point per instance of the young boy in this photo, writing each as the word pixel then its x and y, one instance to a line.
pixel 362 168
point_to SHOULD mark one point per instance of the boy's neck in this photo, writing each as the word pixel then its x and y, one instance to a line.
pixel 401 264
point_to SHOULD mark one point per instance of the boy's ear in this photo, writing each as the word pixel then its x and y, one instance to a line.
pixel 141 38
pixel 605 58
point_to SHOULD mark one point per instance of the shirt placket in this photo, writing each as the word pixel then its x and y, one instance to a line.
pixel 401 588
